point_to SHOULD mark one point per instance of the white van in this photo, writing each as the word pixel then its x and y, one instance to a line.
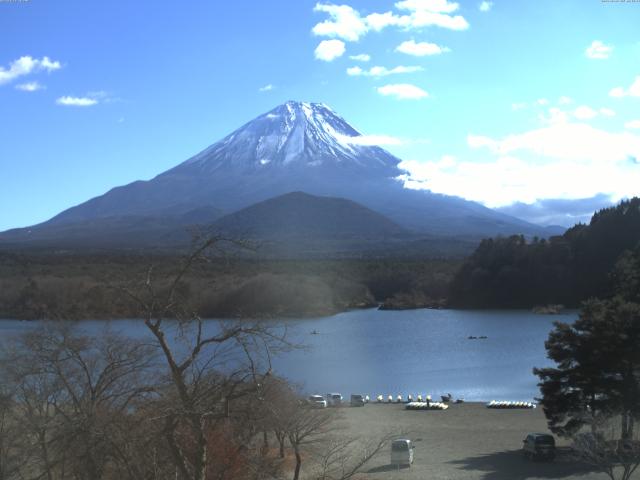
pixel 401 452
pixel 334 399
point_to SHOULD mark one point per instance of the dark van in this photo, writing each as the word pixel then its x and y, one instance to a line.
pixel 539 446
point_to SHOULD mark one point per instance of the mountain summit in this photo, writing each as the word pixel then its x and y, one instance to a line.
pixel 293 135
pixel 296 147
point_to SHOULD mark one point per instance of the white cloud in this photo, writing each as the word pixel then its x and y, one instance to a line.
pixel 598 50
pixel 617 92
pixel 509 179
pixel 564 100
pixel 584 112
pixel 26 65
pixel 76 101
pixel 421 49
pixel 485 6
pixel 568 161
pixel 556 115
pixel 632 91
pixel 542 101
pixel 328 50
pixel 345 22
pixel 518 106
pixel 402 91
pixel 436 6
pixel 266 88
pixel 633 124
pixel 382 71
pixel 379 21
pixel 362 57
pixel 30 87
pixel 424 18
pixel 566 141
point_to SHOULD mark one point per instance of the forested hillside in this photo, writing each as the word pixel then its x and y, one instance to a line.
pixel 515 273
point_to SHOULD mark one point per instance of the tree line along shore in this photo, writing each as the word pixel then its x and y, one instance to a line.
pixel 503 272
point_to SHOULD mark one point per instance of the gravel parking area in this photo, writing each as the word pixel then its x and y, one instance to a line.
pixel 467 441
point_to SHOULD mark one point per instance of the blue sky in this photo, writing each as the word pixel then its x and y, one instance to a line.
pixel 498 102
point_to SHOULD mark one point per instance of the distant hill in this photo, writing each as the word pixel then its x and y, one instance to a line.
pixel 302 216
pixel 513 272
pixel 293 225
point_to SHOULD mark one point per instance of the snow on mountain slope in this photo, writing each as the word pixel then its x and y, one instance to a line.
pixel 296 134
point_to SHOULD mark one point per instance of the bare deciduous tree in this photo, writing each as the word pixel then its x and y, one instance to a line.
pixel 74 395
pixel 607 449
pixel 210 365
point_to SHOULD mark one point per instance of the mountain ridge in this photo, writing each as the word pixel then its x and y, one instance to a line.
pixel 297 146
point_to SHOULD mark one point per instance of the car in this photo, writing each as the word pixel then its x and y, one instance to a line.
pixel 539 446
pixel 402 452
pixel 334 399
pixel 317 401
pixel 357 400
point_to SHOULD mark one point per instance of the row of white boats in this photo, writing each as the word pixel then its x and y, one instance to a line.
pixel 426 406
pixel 420 402
pixel 499 404
pixel 411 398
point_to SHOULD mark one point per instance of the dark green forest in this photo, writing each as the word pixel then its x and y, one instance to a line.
pixel 89 286
pixel 514 272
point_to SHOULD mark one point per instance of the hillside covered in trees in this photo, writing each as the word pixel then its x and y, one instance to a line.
pixel 515 273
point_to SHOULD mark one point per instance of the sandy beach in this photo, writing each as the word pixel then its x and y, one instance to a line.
pixel 467 441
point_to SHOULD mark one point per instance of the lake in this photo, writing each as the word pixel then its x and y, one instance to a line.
pixel 424 351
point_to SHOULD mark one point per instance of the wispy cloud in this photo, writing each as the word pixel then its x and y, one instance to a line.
pixel 266 88
pixel 329 50
pixel 633 124
pixel 69 101
pixel 584 112
pixel 363 57
pixel 485 6
pixel 421 49
pixel 632 91
pixel 598 50
pixel 556 115
pixel 382 71
pixel 30 87
pixel 27 65
pixel 372 140
pixel 402 91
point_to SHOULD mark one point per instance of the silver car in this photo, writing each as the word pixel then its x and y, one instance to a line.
pixel 317 401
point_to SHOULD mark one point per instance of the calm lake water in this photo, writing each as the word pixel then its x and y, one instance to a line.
pixel 400 352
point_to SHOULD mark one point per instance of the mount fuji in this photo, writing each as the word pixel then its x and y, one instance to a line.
pixel 296 147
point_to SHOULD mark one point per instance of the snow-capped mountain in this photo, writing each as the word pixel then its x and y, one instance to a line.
pixel 296 147
pixel 295 134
